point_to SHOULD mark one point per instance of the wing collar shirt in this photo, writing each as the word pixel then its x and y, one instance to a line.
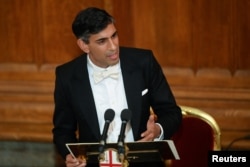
pixel 108 93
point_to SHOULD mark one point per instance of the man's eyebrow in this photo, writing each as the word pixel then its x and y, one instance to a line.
pixel 105 38
pixel 114 33
pixel 101 39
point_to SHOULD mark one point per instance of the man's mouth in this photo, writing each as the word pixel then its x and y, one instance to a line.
pixel 113 56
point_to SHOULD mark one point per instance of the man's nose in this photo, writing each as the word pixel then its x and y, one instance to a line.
pixel 112 44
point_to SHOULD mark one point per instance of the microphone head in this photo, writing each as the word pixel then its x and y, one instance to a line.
pixel 109 115
pixel 126 115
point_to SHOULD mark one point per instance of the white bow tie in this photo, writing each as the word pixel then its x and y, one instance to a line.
pixel 100 75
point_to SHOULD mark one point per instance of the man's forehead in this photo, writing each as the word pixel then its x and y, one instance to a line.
pixel 105 33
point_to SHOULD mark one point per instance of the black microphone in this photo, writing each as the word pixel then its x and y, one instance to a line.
pixel 108 116
pixel 125 117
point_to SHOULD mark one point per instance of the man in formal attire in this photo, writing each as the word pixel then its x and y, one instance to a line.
pixel 108 76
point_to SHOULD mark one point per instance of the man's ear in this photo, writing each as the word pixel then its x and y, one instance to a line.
pixel 82 45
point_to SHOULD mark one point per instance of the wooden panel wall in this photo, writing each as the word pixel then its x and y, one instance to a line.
pixel 202 46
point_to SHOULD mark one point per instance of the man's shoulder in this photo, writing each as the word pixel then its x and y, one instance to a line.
pixel 135 54
pixel 71 66
pixel 72 62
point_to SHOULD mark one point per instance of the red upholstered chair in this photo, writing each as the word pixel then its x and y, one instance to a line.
pixel 198 134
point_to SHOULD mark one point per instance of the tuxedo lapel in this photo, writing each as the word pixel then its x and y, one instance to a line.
pixel 131 78
pixel 84 97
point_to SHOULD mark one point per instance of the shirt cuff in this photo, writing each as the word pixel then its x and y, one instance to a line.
pixel 161 137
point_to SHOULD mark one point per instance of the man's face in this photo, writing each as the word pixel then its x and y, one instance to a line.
pixel 103 47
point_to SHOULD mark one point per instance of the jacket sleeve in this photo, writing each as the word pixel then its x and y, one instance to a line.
pixel 63 120
pixel 162 99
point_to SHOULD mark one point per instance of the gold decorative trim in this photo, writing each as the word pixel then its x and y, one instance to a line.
pixel 194 112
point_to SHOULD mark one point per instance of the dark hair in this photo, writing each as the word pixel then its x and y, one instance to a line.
pixel 90 21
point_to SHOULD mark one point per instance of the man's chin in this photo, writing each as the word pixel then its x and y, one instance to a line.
pixel 114 62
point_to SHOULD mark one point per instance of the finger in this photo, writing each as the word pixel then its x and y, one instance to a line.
pixel 71 161
pixel 155 117
pixel 144 134
pixel 150 126
pixel 70 158
pixel 70 164
pixel 148 137
pixel 82 164
pixel 151 120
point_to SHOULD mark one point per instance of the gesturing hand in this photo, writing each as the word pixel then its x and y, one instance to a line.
pixel 153 130
pixel 73 162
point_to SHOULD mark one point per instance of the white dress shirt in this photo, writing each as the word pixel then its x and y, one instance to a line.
pixel 110 94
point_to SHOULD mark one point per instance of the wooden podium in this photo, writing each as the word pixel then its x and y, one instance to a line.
pixel 135 151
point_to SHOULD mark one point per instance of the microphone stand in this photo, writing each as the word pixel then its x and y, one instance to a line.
pixel 121 147
pixel 108 116
pixel 125 117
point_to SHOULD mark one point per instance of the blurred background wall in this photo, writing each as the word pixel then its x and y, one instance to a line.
pixel 202 46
